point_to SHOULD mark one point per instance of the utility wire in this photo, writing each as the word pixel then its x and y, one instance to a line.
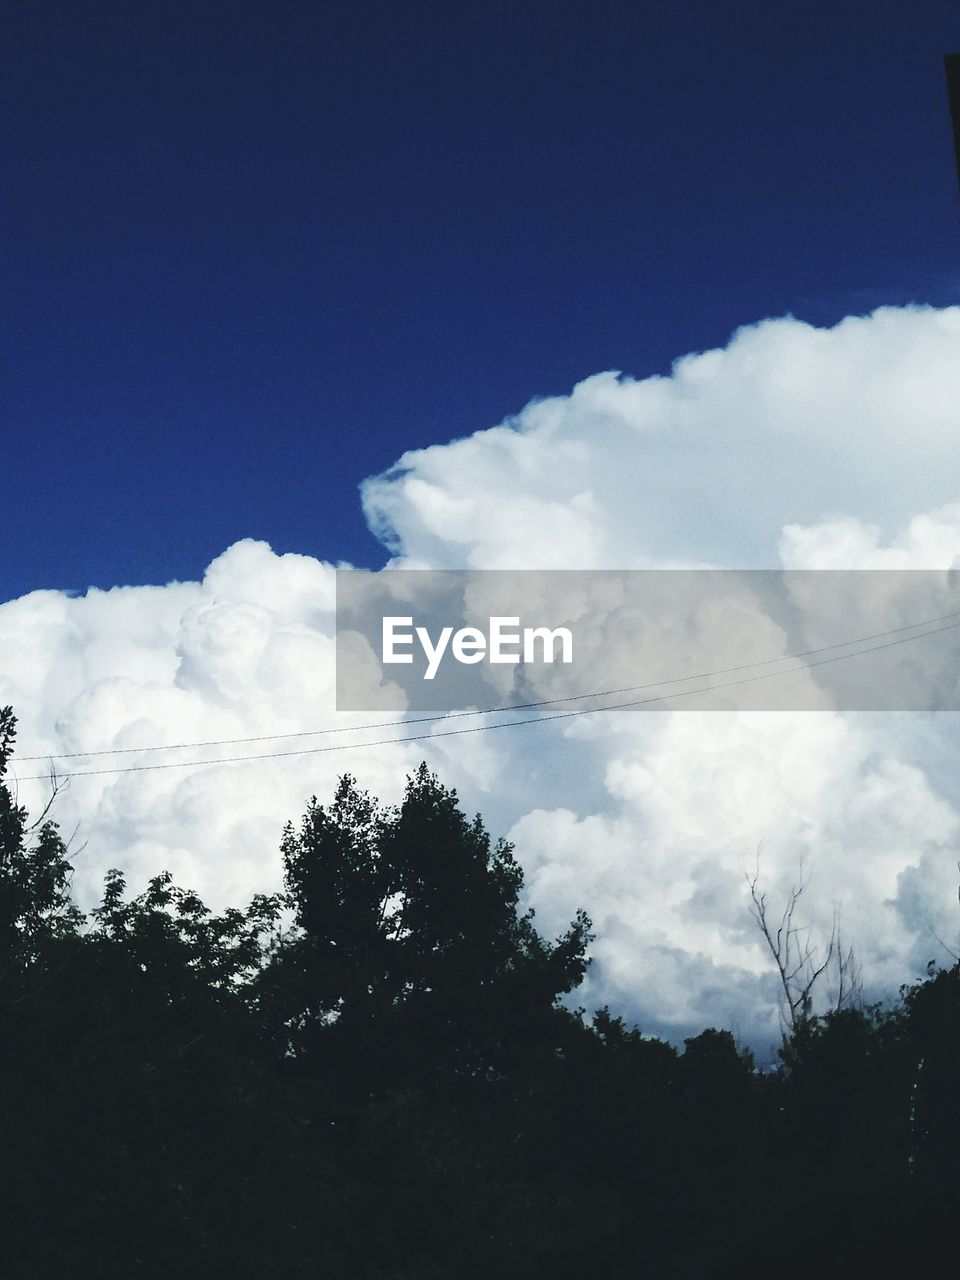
pixel 517 706
pixel 505 724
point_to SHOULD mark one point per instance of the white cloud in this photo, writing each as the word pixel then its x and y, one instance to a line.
pixel 788 425
pixel 694 801
pixel 247 651
pixel 930 540
pixel 811 448
pixel 804 447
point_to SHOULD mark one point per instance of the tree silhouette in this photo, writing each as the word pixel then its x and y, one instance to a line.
pixel 409 933
pixel 800 964
pixel 373 1076
pixel 36 912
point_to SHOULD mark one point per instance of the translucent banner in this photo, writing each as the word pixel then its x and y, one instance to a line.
pixel 797 640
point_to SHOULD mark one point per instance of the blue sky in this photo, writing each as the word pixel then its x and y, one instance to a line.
pixel 252 253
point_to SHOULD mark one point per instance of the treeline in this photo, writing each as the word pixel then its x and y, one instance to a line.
pixel 369 1076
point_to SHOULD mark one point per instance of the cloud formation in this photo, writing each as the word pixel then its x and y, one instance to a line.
pixel 793 445
pixel 789 426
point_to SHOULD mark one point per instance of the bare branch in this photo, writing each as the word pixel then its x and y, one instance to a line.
pixel 57 785
pixel 800 964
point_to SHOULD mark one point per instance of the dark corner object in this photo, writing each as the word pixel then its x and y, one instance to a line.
pixel 952 64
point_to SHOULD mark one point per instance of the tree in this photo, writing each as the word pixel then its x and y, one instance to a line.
pixel 392 1087
pixel 800 964
pixel 36 911
pixel 408 917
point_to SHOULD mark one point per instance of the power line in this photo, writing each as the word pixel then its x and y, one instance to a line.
pixel 505 724
pixel 517 706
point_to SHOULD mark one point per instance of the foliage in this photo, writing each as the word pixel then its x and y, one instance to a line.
pixel 373 1075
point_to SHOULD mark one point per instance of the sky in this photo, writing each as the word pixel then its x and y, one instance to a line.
pixel 519 286
pixel 253 253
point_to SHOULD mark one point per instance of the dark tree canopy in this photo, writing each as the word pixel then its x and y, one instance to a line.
pixel 373 1076
pixel 35 906
pixel 410 939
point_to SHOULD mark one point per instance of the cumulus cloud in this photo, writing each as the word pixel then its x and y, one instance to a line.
pixel 930 540
pixel 788 425
pixel 793 445
pixel 807 448
pixel 245 652
pixel 696 805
